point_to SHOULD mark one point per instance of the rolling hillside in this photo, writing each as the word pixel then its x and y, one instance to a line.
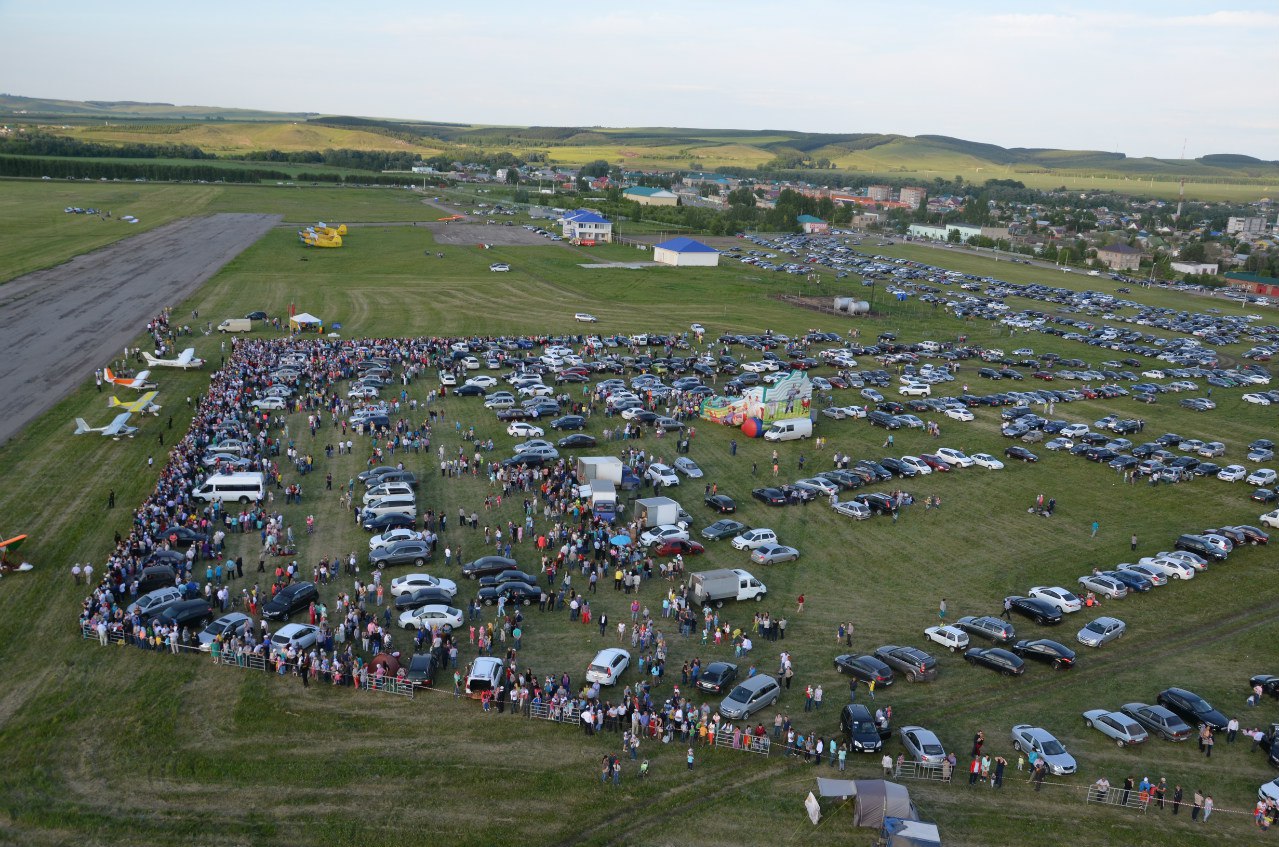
pixel 232 132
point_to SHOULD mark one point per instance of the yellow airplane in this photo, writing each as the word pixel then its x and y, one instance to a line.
pixel 315 239
pixel 325 229
pixel 142 405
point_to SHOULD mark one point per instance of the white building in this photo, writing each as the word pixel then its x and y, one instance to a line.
pixel 1245 226
pixel 583 225
pixel 1195 268
pixel 942 232
pixel 684 252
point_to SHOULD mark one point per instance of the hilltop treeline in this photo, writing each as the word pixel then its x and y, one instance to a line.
pixel 71 168
pixel 43 144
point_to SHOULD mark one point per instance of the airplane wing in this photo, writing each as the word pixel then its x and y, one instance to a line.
pixel 144 402
pixel 185 357
pixel 142 376
pixel 118 425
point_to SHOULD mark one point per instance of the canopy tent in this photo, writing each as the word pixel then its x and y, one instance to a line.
pixel 877 799
pixel 304 321
pixel 902 833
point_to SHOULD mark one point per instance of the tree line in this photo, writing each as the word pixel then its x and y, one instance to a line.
pixel 43 144
pixel 71 168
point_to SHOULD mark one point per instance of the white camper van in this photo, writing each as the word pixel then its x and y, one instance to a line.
pixel 232 488
pixel 789 429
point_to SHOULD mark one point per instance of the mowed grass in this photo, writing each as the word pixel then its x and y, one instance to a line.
pixel 39 233
pixel 239 138
pixel 122 747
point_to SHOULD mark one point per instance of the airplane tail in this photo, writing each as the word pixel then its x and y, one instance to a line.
pixel 107 375
pixel 115 401
pixel 81 426
pixel 150 360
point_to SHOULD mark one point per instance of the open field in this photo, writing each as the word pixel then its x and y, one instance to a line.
pixel 123 747
pixel 241 138
pixel 39 234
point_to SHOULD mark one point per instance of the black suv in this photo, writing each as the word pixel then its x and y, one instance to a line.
pixel 1192 707
pixel 863 735
pixel 884 419
pixel 186 613
pixel 914 663
pixel 1200 546
pixel 290 599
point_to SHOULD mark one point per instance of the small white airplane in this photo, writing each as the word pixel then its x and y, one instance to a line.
pixel 145 403
pixel 139 382
pixel 185 360
pixel 115 429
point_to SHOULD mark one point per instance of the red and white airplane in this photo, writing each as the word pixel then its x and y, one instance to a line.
pixel 139 382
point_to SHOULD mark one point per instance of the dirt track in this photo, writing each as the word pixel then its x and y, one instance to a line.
pixel 58 325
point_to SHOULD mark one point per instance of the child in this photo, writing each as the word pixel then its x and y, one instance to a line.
pixel 690 758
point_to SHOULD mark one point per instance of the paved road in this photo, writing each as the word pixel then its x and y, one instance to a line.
pixel 58 325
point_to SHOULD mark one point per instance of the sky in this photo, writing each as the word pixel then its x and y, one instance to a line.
pixel 1142 78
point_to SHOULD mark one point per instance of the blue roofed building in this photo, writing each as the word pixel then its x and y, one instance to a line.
pixel 684 252
pixel 582 226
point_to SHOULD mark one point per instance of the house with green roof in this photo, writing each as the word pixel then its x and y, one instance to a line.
pixel 811 224
pixel 646 196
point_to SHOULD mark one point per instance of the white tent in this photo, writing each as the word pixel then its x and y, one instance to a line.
pixel 306 321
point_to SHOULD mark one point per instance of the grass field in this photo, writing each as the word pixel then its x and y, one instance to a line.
pixel 122 747
pixel 240 138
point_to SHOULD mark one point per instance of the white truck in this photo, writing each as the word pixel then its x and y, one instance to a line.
pixel 724 584
pixel 604 500
pixel 236 325
pixel 656 511
pixel 607 468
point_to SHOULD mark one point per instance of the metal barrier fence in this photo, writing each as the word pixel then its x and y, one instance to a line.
pixel 1129 798
pixel 923 770
pixel 251 662
pixel 745 741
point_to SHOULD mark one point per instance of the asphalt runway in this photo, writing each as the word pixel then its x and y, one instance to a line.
pixel 60 324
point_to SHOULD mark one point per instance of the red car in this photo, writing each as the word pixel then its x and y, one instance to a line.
pixel 1044 375
pixel 679 547
pixel 937 463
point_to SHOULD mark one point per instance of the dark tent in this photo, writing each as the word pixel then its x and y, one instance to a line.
pixel 876 799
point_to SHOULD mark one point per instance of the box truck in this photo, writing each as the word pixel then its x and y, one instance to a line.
pixel 719 585
pixel 607 468
pixel 655 511
pixel 236 325
pixel 604 500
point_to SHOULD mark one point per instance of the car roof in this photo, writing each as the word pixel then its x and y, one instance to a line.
pixel 611 652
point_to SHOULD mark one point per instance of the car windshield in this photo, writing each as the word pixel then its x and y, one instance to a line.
pixel 1053 748
pixel 741 694
pixel 1096 627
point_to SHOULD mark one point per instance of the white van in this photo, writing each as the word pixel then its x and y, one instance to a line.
pixel 236 325
pixel 789 429
pixel 243 487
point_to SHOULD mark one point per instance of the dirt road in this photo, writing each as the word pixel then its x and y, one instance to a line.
pixel 58 325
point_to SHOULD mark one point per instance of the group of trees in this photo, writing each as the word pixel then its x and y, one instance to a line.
pixel 43 144
pixel 35 167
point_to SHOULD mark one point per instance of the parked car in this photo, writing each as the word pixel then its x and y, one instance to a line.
pixel 1101 631
pixel 1040 611
pixel 289 600
pixel 1123 729
pixel 300 636
pixel 951 637
pixel 770 496
pixel 997 659
pixel 922 745
pixel 987 461
pixel 1027 739
pixel 717 676
pixel 725 528
pixel 1054 653
pixel 688 467
pixel 434 618
pixel 1191 707
pixel 1064 600
pixel 416 553
pixel 996 630
pixel 608 666
pixel 1020 453
pixel 229 626
pixel 486 565
pixel 749 696
pixel 752 538
pixel 408 583
pixel 865 668
pixel 1106 586
pixel 913 663
pixel 864 735
pixel 1158 721
pixel 721 503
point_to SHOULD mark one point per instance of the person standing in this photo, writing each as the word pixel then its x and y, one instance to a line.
pixel 886 763
pixel 1176 799
pixel 1197 807
pixel 111 499
pixel 1000 764
pixel 1134 541
pixel 1041 772
pixel 1207 807
pixel 870 686
pixel 1095 526
pixel 689 755
pixel 941 609
pixel 1008 609
pixel 1123 798
pixel 1232 729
